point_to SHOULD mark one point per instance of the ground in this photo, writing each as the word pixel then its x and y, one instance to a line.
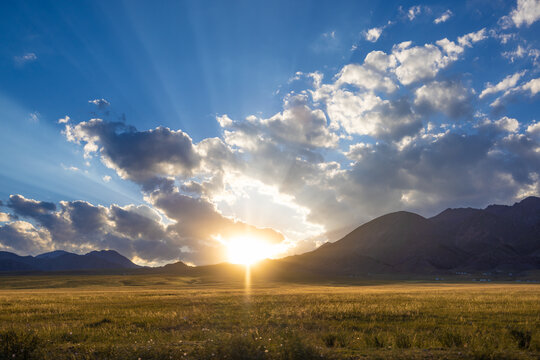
pixel 168 317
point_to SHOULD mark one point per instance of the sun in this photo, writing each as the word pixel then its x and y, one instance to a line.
pixel 247 250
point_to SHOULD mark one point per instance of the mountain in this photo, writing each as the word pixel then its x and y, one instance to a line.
pixel 65 261
pixel 497 238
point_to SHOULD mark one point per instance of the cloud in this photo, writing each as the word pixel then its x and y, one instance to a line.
pixel 140 156
pixel 365 77
pixel 418 63
pixel 34 117
pixel 4 217
pixel 534 130
pixel 64 120
pixel 531 88
pixel 444 17
pixel 367 114
pixel 106 178
pixel 526 13
pixel 413 12
pixel 505 84
pixel 380 61
pixel 136 231
pixel 471 38
pixel 28 207
pixel 373 34
pixel 448 97
pixel 24 59
pixel 521 52
pixel 100 103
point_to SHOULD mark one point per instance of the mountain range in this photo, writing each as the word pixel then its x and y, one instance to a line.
pixel 498 238
pixel 60 260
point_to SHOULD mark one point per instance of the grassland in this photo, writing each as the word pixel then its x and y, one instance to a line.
pixel 167 317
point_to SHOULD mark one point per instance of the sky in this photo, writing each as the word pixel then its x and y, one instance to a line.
pixel 167 131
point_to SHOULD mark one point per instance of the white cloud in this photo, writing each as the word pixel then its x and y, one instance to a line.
pixel 533 86
pixel 366 78
pixel 508 124
pixel 521 52
pixel 26 58
pixel 100 103
pixel 380 60
pixel 473 37
pixel 418 63
pixel 413 12
pixel 505 84
pixel 444 17
pixel 526 12
pixel 106 178
pixel 373 34
pixel 64 120
pixel 534 129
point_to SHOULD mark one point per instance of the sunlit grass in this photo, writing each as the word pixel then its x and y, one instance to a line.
pixel 152 317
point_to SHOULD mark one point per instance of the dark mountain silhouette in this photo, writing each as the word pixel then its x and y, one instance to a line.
pixel 65 261
pixel 497 238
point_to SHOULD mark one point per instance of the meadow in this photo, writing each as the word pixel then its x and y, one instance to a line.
pixel 169 317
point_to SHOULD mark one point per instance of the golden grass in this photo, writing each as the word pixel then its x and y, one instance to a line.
pixel 167 317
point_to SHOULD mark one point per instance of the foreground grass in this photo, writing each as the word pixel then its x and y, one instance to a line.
pixel 151 317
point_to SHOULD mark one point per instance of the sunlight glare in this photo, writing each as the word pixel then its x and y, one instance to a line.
pixel 247 250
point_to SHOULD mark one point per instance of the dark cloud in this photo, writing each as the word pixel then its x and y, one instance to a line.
pixel 27 207
pixel 141 156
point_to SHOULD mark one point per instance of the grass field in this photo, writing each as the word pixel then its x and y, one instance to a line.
pixel 165 317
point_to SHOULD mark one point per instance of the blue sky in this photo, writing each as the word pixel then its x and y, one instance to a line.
pixel 290 80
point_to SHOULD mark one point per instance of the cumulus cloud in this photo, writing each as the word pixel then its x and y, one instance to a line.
pixel 140 156
pixel 367 114
pixel 365 77
pixel 449 97
pixel 419 62
pixel 526 13
pixel 444 17
pixel 534 129
pixel 373 34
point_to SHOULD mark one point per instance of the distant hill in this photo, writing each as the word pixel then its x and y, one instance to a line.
pixel 497 238
pixel 65 261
